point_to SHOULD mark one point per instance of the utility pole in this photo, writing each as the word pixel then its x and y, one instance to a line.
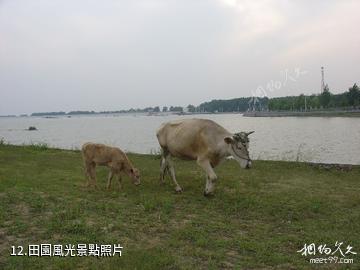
pixel 322 80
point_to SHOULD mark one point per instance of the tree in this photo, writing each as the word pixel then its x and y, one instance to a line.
pixel 149 109
pixel 156 109
pixel 300 102
pixel 176 109
pixel 325 97
pixel 191 108
pixel 354 95
pixel 314 102
pixel 165 109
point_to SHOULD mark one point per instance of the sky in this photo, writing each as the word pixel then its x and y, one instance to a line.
pixel 64 55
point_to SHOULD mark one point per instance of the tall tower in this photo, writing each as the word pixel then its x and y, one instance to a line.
pixel 322 80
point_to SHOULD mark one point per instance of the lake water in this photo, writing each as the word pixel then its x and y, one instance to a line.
pixel 317 139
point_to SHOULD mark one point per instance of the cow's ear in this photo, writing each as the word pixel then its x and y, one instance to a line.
pixel 229 140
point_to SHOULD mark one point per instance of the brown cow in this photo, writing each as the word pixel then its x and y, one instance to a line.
pixel 99 154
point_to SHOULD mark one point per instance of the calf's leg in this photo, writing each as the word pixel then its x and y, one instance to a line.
pixel 120 180
pixel 111 174
pixel 92 173
pixel 88 176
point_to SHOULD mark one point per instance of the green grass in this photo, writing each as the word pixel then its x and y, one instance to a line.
pixel 258 218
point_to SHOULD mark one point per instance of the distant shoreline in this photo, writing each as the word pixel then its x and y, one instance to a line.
pixel 51 116
pixel 302 114
pixel 355 113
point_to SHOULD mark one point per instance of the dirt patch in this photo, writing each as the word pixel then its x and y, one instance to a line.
pixel 179 224
pixel 23 209
pixel 2 235
pixel 6 241
pixel 326 166
pixel 153 242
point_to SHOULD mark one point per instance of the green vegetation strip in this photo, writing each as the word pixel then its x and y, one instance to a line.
pixel 258 218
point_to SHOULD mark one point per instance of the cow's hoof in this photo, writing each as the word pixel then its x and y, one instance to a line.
pixel 208 194
pixel 178 189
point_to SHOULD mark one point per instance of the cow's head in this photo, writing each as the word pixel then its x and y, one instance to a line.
pixel 135 176
pixel 238 147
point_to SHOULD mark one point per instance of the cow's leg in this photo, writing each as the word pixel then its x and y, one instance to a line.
pixel 163 165
pixel 172 173
pixel 120 180
pixel 210 176
pixel 111 174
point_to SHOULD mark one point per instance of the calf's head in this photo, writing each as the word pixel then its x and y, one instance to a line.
pixel 135 176
pixel 238 147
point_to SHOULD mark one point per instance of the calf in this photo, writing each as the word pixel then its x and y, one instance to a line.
pixel 112 157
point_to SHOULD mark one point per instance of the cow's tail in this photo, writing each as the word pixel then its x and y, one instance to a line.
pixel 164 154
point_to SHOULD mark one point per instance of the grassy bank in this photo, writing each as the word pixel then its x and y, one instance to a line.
pixel 258 218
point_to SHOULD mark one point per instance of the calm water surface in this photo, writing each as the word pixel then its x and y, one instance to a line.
pixel 318 139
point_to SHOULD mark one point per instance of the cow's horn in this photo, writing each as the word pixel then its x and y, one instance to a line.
pixel 248 133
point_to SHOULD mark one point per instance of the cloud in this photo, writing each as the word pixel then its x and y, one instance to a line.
pixel 120 54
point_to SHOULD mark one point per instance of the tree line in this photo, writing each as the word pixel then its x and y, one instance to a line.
pixel 326 100
pixel 132 110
